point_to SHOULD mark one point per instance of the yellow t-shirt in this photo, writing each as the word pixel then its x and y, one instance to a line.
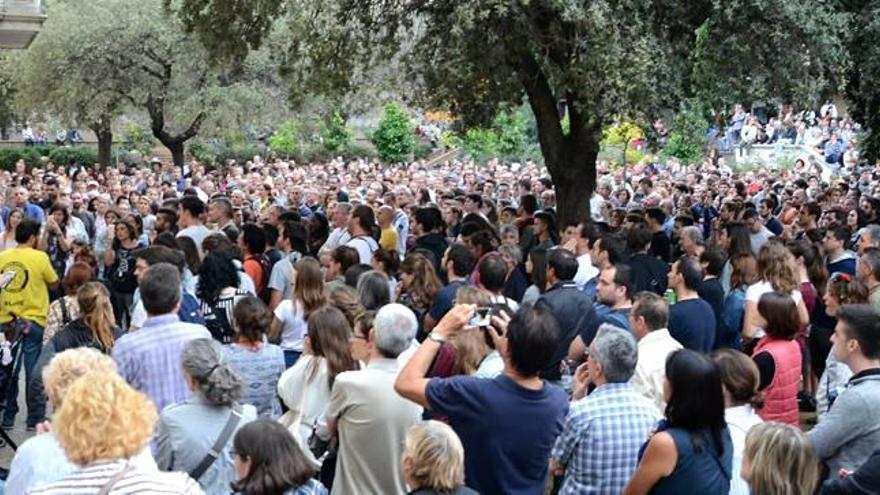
pixel 388 239
pixel 27 294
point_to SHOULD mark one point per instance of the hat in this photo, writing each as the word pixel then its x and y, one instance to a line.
pixel 155 159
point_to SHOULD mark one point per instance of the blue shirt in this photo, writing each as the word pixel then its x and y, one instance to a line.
pixel 30 211
pixel 445 298
pixel 507 431
pixel 600 441
pixel 700 467
pixel 692 323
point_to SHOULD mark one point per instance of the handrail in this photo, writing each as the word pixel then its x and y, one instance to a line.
pixel 22 7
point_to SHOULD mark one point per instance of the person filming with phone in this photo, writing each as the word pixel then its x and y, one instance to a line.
pixel 495 417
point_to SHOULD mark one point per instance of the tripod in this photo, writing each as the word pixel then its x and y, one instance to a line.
pixel 6 372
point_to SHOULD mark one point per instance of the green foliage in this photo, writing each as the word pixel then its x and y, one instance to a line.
pixel 33 155
pixel 509 137
pixel 335 134
pixel 621 132
pixel 138 138
pixel 394 137
pixel 202 152
pixel 284 140
pixel 687 138
pixel 83 155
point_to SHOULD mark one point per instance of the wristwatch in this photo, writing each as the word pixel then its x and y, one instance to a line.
pixel 436 337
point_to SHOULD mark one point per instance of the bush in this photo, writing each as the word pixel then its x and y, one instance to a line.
pixel 335 134
pixel 202 151
pixel 284 141
pixel 83 155
pixel 687 138
pixel 394 138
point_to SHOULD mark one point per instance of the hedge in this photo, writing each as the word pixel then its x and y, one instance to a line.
pixel 60 155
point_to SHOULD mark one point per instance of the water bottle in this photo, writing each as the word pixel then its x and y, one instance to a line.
pixel 567 379
pixel 670 297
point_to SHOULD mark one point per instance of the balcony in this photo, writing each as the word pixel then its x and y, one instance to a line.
pixel 20 21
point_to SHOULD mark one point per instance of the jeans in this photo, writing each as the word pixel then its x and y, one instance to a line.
pixel 31 345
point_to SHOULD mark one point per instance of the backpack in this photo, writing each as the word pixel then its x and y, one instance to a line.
pixel 190 309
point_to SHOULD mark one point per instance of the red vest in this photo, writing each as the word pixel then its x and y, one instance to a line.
pixel 780 397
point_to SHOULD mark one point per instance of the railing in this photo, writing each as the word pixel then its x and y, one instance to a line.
pixel 20 21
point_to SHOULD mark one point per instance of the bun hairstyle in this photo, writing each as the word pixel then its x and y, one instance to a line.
pixel 740 377
pixel 204 361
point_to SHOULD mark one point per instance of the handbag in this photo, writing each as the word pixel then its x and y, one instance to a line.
pixel 222 439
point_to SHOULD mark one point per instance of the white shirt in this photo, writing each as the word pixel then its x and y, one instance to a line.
pixel 650 372
pixel 491 366
pixel 740 419
pixel 197 233
pixel 306 396
pixel 338 237
pixel 365 246
pixel 293 326
pixel 758 289
pixel 586 271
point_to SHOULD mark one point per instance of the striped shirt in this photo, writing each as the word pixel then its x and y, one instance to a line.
pixel 149 359
pixel 90 479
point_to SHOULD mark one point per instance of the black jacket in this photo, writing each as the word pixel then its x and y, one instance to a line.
pixel 436 244
pixel 864 481
pixel 569 306
pixel 648 273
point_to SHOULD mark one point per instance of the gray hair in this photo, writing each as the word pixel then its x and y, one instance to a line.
pixel 513 252
pixel 873 231
pixel 508 228
pixel 617 351
pixel 204 361
pixel 373 290
pixel 345 207
pixel 694 234
pixel 395 326
pixel 160 289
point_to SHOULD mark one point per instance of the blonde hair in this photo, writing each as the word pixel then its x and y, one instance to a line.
pixel 782 460
pixel 437 456
pixel 777 265
pixel 309 288
pixel 103 418
pixel 69 365
pixel 470 346
pixel 97 312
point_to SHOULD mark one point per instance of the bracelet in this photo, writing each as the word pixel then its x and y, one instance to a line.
pixel 436 337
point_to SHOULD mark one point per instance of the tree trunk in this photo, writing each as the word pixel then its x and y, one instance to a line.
pixel 177 154
pixel 574 179
pixel 105 147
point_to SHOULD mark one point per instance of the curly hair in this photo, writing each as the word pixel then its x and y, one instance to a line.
pixel 216 273
pixel 103 418
pixel 252 319
pixel 777 265
pixel 69 365
pixel 204 361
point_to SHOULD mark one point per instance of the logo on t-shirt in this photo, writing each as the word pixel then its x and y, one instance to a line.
pixel 19 279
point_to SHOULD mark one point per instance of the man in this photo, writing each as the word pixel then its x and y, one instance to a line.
pixel 493 275
pixel 190 309
pixel 839 259
pixel 691 319
pixel 340 234
pixel 583 246
pixel 758 233
pixel 220 214
pixel 86 217
pixel 765 212
pixel 808 217
pixel 428 227
pixel 712 261
pixel 189 219
pixel 648 320
pixel 370 418
pixel 598 449
pixel 869 274
pixel 27 277
pixel 691 241
pixel 496 418
pixel 473 203
pixel 387 233
pixel 528 204
pixel 458 263
pixel 166 221
pixel 850 433
pixel 661 246
pixel 291 242
pixel 649 271
pixel 149 359
pixel 567 304
pixel 607 251
pixel 399 220
pixel 22 202
pixel 870 237
pixel 361 226
pixel 614 295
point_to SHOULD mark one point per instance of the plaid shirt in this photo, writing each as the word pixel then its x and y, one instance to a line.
pixel 600 441
pixel 149 359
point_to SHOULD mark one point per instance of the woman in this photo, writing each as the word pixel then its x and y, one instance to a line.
pixel 691 451
pixel 346 299
pixel 734 239
pixel 433 460
pixel 318 231
pixel 305 387
pixel 65 309
pixel 536 268
pixel 779 460
pixel 218 291
pixel 269 461
pixel 7 240
pixel 812 275
pixel 778 272
pixel 418 286
pixel 102 424
pixel 778 357
pixel 291 314
pixel 744 273
pixel 56 239
pixel 373 290
pixel 739 377
pixel 388 263
pixel 187 431
pixel 119 259
pixel 841 289
pixel 256 360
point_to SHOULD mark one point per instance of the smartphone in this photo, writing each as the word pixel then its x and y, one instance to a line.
pixel 482 317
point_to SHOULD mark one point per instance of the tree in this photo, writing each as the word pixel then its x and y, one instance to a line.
pixel 335 134
pixel 394 137
pixel 284 140
pixel 595 60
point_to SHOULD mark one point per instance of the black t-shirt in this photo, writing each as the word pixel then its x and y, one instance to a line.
pixel 692 324
pixel 648 273
pixel 712 292
pixel 661 246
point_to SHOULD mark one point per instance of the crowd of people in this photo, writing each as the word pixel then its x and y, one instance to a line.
pixel 356 328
